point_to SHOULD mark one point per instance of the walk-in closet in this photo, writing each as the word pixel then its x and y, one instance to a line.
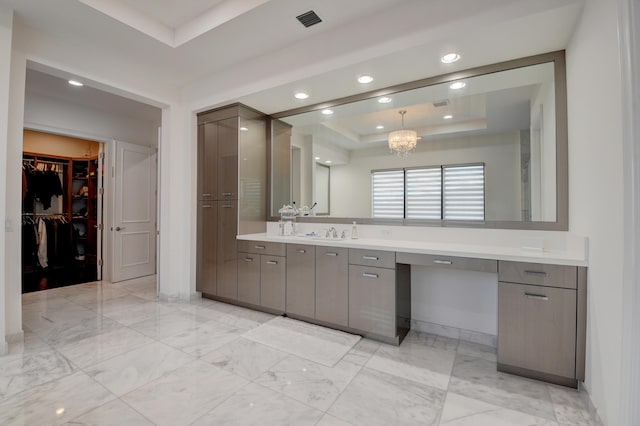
pixel 61 211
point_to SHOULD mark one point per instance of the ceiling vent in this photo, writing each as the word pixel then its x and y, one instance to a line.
pixel 439 104
pixel 309 18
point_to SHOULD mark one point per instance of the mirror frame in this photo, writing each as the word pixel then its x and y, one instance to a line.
pixel 562 156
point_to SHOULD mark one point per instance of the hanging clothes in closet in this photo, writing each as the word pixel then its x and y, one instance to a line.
pixel 47 242
pixel 40 183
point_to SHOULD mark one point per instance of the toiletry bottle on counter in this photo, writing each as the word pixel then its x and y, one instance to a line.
pixel 354 231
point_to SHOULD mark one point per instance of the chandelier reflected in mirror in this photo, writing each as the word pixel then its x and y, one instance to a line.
pixel 402 142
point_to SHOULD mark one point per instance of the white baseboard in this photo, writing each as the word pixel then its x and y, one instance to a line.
pixel 455 333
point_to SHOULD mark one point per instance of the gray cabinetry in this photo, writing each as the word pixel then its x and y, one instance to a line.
pixel 227 249
pixel 273 282
pixel 207 156
pixel 332 285
pixel 262 274
pixel 301 280
pixel 227 159
pixel 540 327
pixel 249 278
pixel 207 247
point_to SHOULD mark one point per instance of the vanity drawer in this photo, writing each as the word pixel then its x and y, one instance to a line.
pixel 538 274
pixel 450 262
pixel 262 247
pixel 376 258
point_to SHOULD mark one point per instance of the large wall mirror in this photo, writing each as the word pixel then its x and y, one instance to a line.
pixel 491 151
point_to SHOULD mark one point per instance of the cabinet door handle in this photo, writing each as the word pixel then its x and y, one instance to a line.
pixel 207 195
pixel 227 206
pixel 248 259
pixel 538 273
pixel 259 247
pixel 331 253
pixel 207 206
pixel 536 296
pixel 442 262
pixel 301 251
pixel 227 194
pixel 272 262
pixel 369 275
pixel 370 257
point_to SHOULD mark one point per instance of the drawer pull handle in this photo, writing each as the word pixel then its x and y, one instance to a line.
pixel 248 259
pixel 370 257
pixel 207 195
pixel 301 251
pixel 259 247
pixel 272 262
pixel 331 253
pixel 227 194
pixel 226 206
pixel 442 262
pixel 537 273
pixel 536 296
pixel 207 206
pixel 369 275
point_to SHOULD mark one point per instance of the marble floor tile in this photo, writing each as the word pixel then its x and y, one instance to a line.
pixel 115 412
pixel 92 350
pixel 478 379
pixel 329 420
pixel 150 294
pixel 376 398
pixel 431 340
pixel 101 293
pixel 55 402
pixel 29 344
pixel 309 341
pixel 308 382
pixel 169 324
pixel 128 301
pixel 76 330
pixel 477 350
pixel 362 351
pixel 138 367
pixel 141 313
pixel 20 372
pixel 429 365
pixel 39 316
pixel 256 405
pixel 245 358
pixel 569 407
pixel 245 318
pixel 203 339
pixel 184 395
pixel 462 411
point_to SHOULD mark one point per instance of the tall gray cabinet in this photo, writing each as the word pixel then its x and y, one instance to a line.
pixel 232 179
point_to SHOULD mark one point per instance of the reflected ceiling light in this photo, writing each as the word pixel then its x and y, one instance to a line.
pixel 402 142
pixel 449 58
pixel 328 161
pixel 301 95
pixel 365 79
pixel 60 411
pixel 317 158
pixel 448 117
pixel 327 111
pixel 244 129
pixel 384 100
pixel 75 83
pixel 457 85
pixel 380 127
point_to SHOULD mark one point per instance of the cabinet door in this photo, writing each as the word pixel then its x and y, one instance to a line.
pixel 272 282
pixel 301 280
pixel 207 161
pixel 372 300
pixel 537 328
pixel 332 285
pixel 227 249
pixel 207 239
pixel 228 159
pixel 249 278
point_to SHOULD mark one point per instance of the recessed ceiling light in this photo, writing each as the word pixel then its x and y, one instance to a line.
pixel 328 161
pixel 317 158
pixel 384 100
pixel 301 95
pixel 244 129
pixel 457 85
pixel 448 117
pixel 75 83
pixel 365 79
pixel 380 127
pixel 327 111
pixel 450 58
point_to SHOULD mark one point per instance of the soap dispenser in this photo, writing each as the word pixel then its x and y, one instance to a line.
pixel 354 231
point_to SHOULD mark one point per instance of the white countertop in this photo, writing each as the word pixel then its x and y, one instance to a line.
pixel 516 254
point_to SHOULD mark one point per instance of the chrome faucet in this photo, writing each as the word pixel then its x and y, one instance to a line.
pixel 333 232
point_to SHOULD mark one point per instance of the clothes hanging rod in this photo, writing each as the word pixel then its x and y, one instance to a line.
pixel 44 214
pixel 31 160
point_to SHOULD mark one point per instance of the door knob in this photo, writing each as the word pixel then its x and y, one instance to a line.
pixel 119 228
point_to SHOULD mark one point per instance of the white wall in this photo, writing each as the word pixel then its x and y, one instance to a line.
pixel 351 184
pixel 595 192
pixel 55 115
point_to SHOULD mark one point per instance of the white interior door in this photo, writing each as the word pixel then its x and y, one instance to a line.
pixel 134 224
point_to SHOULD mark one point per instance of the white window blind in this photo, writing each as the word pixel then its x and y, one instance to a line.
pixel 463 197
pixel 424 193
pixel 387 194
